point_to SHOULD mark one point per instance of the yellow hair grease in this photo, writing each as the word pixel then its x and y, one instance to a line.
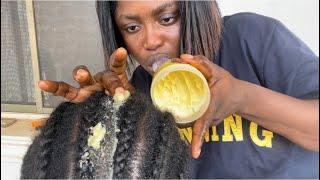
pixel 182 90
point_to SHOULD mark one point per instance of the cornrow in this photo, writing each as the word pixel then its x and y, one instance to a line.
pixel 62 146
pixel 128 117
pixel 40 151
pixel 45 143
pixel 175 163
pixel 140 142
pixel 162 141
pixel 93 163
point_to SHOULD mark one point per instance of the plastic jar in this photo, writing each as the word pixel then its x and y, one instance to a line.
pixel 182 90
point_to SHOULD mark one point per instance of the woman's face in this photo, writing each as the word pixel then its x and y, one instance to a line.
pixel 150 29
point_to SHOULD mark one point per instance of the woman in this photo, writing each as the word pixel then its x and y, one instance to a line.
pixel 255 68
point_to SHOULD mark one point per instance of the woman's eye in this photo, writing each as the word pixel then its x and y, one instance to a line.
pixel 132 29
pixel 167 21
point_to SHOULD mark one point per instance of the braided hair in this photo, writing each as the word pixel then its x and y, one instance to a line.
pixel 43 152
pixel 140 142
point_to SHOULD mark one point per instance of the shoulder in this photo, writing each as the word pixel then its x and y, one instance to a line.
pixel 248 24
pixel 248 18
pixel 245 41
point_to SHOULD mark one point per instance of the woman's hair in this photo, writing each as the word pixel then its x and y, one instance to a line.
pixel 201 28
pixel 140 142
pixel 46 151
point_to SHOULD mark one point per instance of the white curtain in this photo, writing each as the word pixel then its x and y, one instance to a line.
pixel 17 84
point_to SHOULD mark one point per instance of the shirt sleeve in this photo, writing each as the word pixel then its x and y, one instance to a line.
pixel 289 66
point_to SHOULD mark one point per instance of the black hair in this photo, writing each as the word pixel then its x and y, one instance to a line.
pixel 140 143
pixel 200 28
pixel 42 153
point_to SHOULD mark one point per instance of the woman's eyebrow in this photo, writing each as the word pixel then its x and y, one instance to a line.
pixel 162 7
pixel 154 12
pixel 130 16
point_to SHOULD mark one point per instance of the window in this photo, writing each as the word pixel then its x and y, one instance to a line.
pixel 17 82
pixel 45 40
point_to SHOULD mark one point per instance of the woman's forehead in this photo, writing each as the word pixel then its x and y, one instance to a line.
pixel 138 7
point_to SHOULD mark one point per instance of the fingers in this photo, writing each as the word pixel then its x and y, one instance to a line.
pixel 126 84
pixel 198 63
pixel 210 70
pixel 48 86
pixel 118 65
pixel 198 130
pixel 82 75
pixel 59 89
pixel 81 96
pixel 118 61
pixel 109 80
pixel 216 111
pixel 112 81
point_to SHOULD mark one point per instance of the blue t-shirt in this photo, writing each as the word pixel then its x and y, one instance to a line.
pixel 262 51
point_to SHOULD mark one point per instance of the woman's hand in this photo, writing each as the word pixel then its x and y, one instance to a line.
pixel 225 100
pixel 295 119
pixel 108 80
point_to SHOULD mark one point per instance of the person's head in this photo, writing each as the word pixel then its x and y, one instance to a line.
pixel 154 30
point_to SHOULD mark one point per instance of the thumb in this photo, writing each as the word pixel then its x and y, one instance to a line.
pixel 197 138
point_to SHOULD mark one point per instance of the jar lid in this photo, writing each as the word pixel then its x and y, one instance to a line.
pixel 182 90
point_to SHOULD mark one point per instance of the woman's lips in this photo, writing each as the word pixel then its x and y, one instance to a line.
pixel 158 63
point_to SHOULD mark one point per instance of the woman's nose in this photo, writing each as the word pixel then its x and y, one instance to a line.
pixel 152 38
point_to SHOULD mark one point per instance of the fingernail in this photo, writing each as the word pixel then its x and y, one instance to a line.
pixel 121 49
pixel 176 60
pixel 121 52
pixel 107 92
pixel 187 56
pixel 119 90
pixel 196 154
pixel 80 72
pixel 42 84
